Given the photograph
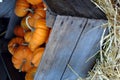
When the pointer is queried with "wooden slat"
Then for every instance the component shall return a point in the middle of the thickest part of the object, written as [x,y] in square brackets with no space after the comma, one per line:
[50,19]
[87,46]
[6,7]
[81,8]
[14,20]
[63,39]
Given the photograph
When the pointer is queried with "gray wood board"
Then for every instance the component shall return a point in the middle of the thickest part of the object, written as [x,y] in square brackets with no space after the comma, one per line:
[14,20]
[50,19]
[87,46]
[79,8]
[6,7]
[65,34]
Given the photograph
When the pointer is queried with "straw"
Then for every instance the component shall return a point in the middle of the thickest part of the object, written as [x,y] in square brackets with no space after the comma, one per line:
[107,67]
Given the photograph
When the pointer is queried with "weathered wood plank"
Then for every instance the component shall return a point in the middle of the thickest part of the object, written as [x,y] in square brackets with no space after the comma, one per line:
[50,19]
[14,20]
[81,8]
[6,8]
[87,46]
[63,39]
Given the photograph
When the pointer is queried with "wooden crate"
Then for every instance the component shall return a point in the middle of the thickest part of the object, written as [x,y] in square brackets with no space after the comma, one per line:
[72,41]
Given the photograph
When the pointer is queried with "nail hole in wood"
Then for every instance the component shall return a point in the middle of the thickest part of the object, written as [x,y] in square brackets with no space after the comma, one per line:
[92,26]
[61,23]
[71,22]
[80,26]
[88,24]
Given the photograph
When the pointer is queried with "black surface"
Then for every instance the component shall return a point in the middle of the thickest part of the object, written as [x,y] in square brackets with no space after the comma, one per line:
[5,58]
[3,74]
[3,24]
[4,45]
[12,73]
[80,8]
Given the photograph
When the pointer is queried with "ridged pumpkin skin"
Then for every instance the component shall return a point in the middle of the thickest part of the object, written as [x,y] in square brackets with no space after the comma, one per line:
[41,23]
[20,8]
[38,14]
[34,2]
[28,36]
[14,43]
[40,34]
[30,74]
[40,5]
[19,31]
[22,54]
[37,55]
[23,24]
[30,21]
[38,38]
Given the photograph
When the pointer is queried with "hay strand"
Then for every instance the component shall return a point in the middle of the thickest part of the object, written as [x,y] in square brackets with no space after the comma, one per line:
[108,66]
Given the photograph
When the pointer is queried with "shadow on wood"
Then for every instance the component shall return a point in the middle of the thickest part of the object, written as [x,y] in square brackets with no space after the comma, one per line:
[79,8]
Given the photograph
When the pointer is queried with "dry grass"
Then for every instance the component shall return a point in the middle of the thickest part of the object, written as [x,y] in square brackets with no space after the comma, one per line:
[108,66]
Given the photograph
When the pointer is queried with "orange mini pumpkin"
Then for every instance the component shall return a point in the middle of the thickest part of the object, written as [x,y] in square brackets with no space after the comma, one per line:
[38,14]
[14,43]
[37,56]
[21,59]
[31,74]
[21,8]
[28,36]
[41,23]
[34,2]
[24,21]
[38,38]
[23,24]
[40,35]
[37,6]
[19,31]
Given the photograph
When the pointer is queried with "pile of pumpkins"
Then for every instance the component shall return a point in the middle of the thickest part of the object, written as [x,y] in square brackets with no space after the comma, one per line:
[32,34]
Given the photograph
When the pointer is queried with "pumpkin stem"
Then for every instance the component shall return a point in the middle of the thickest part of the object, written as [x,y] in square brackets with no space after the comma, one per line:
[28,23]
[15,45]
[25,44]
[30,10]
[23,62]
[45,9]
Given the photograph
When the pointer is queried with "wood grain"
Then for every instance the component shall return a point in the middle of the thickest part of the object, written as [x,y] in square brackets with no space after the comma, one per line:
[50,19]
[63,39]
[87,46]
[79,8]
[14,20]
